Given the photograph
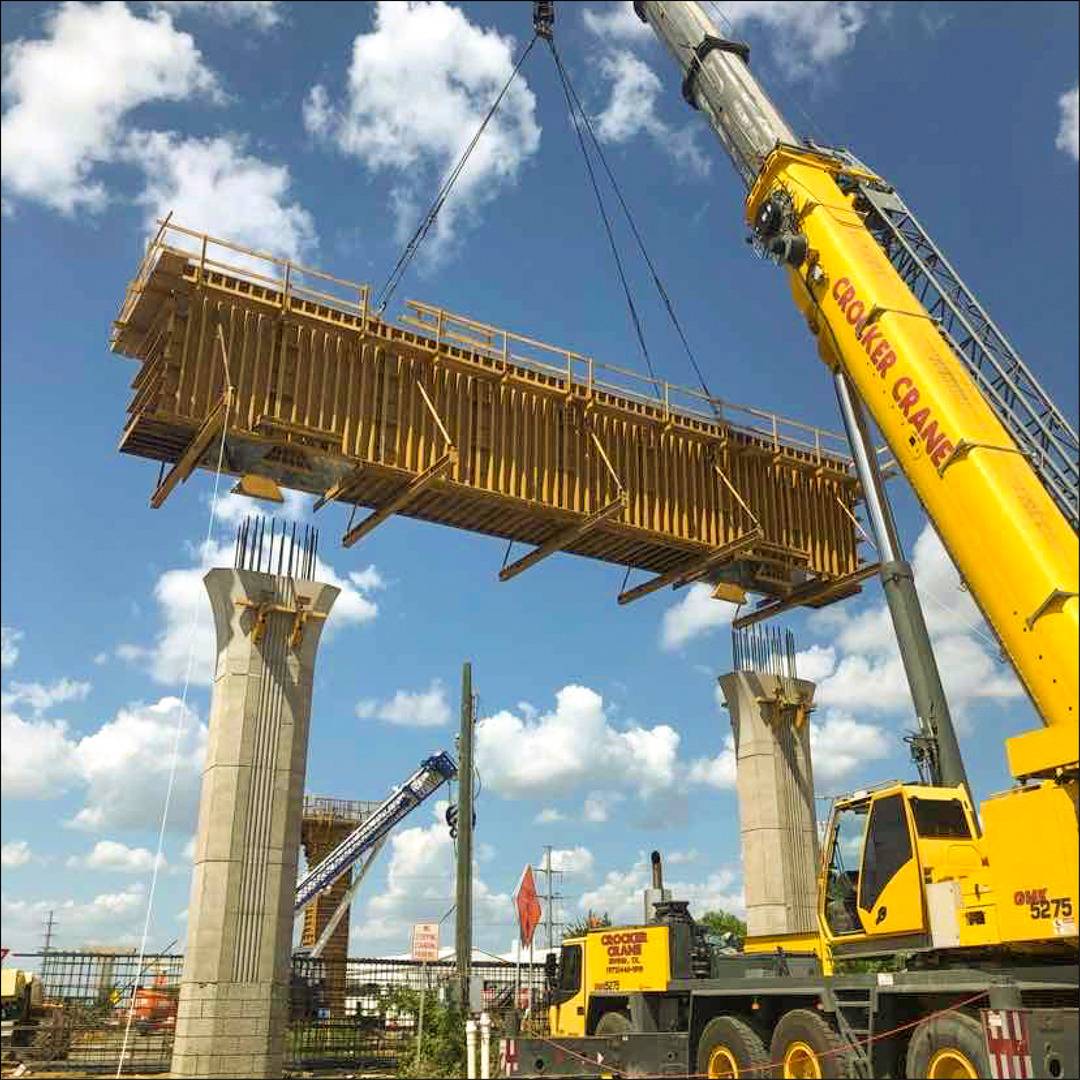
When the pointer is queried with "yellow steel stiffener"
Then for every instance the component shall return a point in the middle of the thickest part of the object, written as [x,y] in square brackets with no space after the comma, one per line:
[1011,544]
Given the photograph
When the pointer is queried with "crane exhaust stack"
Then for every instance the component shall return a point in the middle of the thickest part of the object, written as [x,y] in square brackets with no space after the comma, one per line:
[770,708]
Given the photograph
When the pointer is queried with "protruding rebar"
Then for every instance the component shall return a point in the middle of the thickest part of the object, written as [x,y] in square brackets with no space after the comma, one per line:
[290,551]
[767,650]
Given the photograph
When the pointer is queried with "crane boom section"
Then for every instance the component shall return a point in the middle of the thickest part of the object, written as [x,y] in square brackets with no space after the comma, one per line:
[1013,546]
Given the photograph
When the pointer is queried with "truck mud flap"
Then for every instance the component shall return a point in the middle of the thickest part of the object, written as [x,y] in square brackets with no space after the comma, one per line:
[655,1053]
[1026,1043]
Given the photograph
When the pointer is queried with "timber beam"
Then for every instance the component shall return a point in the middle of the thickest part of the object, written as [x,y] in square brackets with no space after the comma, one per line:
[564,537]
[813,594]
[193,452]
[684,575]
[402,499]
[340,488]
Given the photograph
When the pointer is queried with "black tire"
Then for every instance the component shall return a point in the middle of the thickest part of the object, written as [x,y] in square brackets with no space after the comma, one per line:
[614,1022]
[809,1034]
[941,1040]
[742,1044]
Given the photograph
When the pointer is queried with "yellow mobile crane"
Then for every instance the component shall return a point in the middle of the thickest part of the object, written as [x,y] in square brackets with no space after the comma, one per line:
[969,909]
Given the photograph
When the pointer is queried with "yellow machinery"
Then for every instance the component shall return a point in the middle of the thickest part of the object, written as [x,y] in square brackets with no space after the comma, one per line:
[997,476]
[951,902]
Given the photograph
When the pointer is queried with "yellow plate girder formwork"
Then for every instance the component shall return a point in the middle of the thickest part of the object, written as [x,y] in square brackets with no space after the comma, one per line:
[448,420]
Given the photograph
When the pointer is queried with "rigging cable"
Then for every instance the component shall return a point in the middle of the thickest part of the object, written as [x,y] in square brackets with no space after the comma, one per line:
[428,220]
[661,290]
[570,99]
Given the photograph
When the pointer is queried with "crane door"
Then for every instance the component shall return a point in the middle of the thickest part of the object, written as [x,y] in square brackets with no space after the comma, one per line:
[890,885]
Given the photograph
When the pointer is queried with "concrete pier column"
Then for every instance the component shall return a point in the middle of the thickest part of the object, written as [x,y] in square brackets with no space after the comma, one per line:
[775,784]
[234,995]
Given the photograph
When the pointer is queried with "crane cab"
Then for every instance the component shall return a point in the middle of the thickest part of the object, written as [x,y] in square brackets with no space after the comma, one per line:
[904,867]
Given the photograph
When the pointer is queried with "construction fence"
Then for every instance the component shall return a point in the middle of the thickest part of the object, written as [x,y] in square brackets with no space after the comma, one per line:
[360,1014]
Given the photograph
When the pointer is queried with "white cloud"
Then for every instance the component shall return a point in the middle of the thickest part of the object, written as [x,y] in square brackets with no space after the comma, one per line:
[802,36]
[697,613]
[572,747]
[840,745]
[576,860]
[70,91]
[114,856]
[861,671]
[621,894]
[419,887]
[631,111]
[1068,139]
[215,186]
[616,22]
[418,86]
[715,772]
[598,806]
[36,757]
[184,608]
[40,697]
[9,646]
[409,708]
[114,918]
[121,768]
[14,854]
[262,14]
[549,816]
[125,767]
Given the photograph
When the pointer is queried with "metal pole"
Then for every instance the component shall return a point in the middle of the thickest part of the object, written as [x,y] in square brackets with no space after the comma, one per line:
[548,917]
[420,1020]
[463,912]
[938,748]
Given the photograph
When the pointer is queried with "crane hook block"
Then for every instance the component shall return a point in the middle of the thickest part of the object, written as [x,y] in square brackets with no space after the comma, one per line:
[544,18]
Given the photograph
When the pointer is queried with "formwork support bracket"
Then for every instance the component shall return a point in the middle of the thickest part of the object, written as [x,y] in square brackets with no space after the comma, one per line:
[684,575]
[340,488]
[813,594]
[564,537]
[186,463]
[402,499]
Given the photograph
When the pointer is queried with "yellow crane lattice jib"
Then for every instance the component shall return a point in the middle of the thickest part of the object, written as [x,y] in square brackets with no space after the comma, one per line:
[1013,547]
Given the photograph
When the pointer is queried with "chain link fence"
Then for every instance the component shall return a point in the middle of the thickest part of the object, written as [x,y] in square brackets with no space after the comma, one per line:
[73,1014]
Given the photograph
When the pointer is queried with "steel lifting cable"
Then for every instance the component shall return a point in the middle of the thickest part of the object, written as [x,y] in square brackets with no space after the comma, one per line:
[631,222]
[634,317]
[428,220]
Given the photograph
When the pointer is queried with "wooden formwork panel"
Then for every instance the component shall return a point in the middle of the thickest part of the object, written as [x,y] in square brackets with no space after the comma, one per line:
[319,394]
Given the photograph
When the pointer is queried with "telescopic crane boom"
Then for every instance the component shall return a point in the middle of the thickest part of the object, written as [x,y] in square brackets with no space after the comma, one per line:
[991,458]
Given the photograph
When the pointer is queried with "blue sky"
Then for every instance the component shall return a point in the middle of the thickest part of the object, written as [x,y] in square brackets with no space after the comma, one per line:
[317,132]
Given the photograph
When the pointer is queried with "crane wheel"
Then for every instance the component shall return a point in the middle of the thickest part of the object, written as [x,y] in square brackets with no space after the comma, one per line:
[730,1047]
[804,1044]
[948,1047]
[614,1022]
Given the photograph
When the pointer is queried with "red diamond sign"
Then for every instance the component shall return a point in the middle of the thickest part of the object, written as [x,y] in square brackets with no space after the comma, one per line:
[528,906]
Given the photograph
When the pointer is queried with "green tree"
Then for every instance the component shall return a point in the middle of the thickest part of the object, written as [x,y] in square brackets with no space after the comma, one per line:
[592,921]
[723,922]
[442,1050]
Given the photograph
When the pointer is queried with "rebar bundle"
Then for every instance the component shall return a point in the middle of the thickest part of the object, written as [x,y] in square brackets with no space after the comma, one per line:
[276,551]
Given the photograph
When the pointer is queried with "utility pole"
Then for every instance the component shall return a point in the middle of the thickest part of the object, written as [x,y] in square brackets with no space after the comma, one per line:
[463,910]
[551,897]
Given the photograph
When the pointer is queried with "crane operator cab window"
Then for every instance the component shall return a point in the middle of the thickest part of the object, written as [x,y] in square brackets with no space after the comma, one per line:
[568,978]
[842,883]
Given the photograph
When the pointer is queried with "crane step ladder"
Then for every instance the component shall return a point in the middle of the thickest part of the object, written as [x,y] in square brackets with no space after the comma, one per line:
[855,1010]
[370,834]
[1026,410]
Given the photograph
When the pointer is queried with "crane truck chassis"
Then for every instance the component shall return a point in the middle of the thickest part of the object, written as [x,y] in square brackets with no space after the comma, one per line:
[662,999]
